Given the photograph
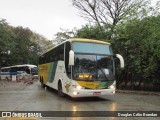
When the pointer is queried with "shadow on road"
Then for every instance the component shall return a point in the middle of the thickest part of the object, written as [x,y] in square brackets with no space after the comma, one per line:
[89,99]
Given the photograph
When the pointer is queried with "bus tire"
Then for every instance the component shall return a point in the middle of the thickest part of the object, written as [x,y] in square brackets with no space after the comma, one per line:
[60,91]
[42,84]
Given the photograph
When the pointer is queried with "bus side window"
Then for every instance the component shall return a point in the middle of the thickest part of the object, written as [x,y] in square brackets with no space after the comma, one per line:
[42,59]
[61,52]
[67,49]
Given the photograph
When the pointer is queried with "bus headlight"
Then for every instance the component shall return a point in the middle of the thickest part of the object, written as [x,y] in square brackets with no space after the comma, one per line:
[79,87]
[113,86]
[75,93]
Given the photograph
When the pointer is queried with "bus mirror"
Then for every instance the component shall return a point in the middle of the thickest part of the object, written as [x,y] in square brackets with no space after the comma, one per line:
[121,60]
[71,57]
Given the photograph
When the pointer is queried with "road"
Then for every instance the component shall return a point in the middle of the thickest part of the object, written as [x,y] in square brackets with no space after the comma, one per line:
[31,97]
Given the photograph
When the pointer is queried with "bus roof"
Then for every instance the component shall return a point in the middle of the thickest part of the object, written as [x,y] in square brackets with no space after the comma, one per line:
[88,40]
[4,67]
[78,40]
[28,65]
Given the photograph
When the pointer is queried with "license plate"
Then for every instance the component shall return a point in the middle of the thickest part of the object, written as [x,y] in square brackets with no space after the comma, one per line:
[97,93]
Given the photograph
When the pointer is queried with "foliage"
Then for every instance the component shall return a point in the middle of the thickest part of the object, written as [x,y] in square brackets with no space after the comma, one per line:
[20,45]
[64,35]
[111,12]
[139,43]
[91,32]
[6,43]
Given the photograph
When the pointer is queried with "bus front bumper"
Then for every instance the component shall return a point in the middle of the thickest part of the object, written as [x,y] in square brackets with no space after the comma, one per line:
[92,93]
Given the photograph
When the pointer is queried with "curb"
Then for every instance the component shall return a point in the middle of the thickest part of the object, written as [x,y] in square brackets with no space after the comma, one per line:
[138,92]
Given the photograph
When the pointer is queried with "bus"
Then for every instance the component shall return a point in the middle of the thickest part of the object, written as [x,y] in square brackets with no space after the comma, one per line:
[19,71]
[5,73]
[79,68]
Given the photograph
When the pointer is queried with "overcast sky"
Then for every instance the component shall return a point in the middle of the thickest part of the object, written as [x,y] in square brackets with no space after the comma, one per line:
[45,17]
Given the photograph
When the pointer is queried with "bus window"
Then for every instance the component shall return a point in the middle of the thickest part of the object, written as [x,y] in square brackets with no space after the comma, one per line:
[67,49]
[34,71]
[28,71]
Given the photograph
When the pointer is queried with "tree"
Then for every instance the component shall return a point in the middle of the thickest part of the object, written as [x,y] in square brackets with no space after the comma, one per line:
[42,43]
[29,45]
[64,35]
[20,45]
[91,32]
[139,43]
[110,12]
[6,42]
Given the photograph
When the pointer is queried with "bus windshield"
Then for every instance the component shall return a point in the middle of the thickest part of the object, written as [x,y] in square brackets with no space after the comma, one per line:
[93,62]
[93,67]
[34,71]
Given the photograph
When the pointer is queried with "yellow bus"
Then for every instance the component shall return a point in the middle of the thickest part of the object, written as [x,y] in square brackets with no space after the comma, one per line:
[79,68]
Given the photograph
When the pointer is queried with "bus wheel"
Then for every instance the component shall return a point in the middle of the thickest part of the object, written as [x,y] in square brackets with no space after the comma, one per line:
[60,91]
[42,84]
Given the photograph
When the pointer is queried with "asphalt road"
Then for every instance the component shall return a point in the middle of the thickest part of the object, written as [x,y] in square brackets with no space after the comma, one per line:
[31,97]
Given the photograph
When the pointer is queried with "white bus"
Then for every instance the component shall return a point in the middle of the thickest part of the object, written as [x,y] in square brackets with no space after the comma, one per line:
[5,73]
[79,68]
[27,69]
[19,70]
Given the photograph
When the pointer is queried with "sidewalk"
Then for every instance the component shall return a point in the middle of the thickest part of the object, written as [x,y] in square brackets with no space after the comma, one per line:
[138,92]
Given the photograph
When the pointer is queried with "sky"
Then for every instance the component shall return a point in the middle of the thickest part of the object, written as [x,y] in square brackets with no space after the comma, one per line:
[45,17]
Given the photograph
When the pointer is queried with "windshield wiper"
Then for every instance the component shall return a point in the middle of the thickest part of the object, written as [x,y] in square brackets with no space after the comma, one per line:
[104,73]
